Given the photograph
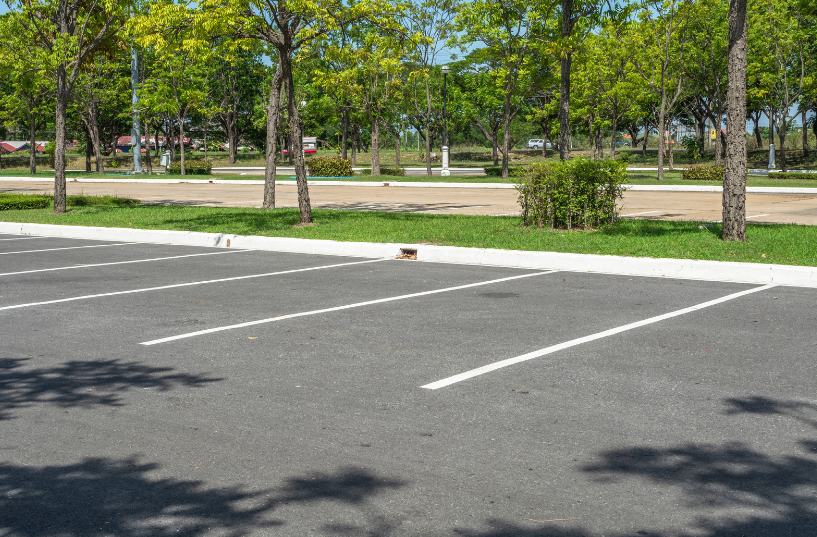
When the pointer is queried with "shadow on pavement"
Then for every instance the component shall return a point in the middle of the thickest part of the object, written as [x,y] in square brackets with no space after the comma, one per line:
[83,383]
[102,496]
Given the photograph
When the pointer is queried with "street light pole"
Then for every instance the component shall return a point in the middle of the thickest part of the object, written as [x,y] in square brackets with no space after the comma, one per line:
[445,172]
[136,128]
[771,140]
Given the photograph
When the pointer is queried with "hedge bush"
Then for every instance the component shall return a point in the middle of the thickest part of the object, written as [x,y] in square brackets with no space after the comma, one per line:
[384,170]
[192,167]
[703,173]
[789,175]
[329,167]
[496,171]
[16,202]
[578,193]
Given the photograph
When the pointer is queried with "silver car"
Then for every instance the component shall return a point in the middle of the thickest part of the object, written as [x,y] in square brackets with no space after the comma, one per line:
[537,143]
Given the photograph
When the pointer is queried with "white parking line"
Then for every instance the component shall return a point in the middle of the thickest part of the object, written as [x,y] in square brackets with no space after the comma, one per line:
[21,239]
[561,346]
[121,262]
[758,215]
[636,214]
[188,284]
[68,248]
[339,308]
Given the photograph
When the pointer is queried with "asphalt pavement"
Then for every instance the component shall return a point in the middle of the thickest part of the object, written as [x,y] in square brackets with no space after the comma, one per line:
[157,390]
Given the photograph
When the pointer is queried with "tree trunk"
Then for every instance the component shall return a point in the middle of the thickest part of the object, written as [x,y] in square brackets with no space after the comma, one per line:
[32,152]
[781,135]
[564,97]
[354,147]
[59,143]
[345,135]
[375,147]
[734,176]
[304,205]
[670,150]
[88,150]
[805,136]
[273,115]
[397,149]
[96,137]
[758,137]
[181,141]
[231,138]
[506,136]
[646,137]
[428,129]
[661,134]
[615,133]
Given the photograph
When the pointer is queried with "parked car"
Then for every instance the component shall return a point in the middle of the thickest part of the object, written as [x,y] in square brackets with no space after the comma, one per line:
[622,144]
[537,143]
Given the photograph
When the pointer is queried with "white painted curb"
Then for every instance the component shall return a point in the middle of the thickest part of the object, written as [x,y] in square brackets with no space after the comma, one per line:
[752,273]
[411,184]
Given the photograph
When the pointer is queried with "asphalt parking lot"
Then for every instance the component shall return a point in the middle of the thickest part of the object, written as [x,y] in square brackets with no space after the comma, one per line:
[155,390]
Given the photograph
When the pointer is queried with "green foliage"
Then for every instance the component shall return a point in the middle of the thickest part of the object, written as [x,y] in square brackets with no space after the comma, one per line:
[624,156]
[496,171]
[703,173]
[330,167]
[790,175]
[191,167]
[578,193]
[12,202]
[49,150]
[694,146]
[384,170]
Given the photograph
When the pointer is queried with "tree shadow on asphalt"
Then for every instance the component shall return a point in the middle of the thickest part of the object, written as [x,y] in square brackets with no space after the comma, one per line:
[83,383]
[101,496]
[797,410]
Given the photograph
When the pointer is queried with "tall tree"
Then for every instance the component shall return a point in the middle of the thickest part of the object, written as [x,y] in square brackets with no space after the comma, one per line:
[662,33]
[58,36]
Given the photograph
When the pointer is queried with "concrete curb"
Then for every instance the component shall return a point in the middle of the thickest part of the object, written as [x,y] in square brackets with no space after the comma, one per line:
[413,184]
[750,273]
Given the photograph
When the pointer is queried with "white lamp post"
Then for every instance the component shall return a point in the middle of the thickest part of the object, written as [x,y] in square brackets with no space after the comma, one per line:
[445,172]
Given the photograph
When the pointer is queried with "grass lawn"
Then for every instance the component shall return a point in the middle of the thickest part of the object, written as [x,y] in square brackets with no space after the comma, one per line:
[782,244]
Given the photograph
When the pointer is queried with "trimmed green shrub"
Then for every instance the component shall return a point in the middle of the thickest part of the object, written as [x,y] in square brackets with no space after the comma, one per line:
[396,172]
[329,167]
[624,156]
[192,167]
[17,202]
[578,193]
[496,171]
[703,173]
[789,175]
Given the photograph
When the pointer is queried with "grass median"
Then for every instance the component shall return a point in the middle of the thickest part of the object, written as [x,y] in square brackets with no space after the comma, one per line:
[767,243]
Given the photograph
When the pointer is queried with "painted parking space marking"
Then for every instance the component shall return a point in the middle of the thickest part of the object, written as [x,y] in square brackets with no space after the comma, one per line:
[122,262]
[186,284]
[69,248]
[22,238]
[572,343]
[758,215]
[340,308]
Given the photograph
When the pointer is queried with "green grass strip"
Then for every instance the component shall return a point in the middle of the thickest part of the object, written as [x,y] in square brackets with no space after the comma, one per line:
[766,243]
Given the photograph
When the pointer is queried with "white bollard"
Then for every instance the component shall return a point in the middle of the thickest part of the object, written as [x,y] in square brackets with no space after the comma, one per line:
[445,172]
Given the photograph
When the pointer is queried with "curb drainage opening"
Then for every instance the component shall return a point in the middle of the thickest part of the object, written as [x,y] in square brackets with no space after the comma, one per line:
[408,253]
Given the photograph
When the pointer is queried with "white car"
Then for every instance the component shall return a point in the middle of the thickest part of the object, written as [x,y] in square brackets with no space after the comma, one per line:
[537,143]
